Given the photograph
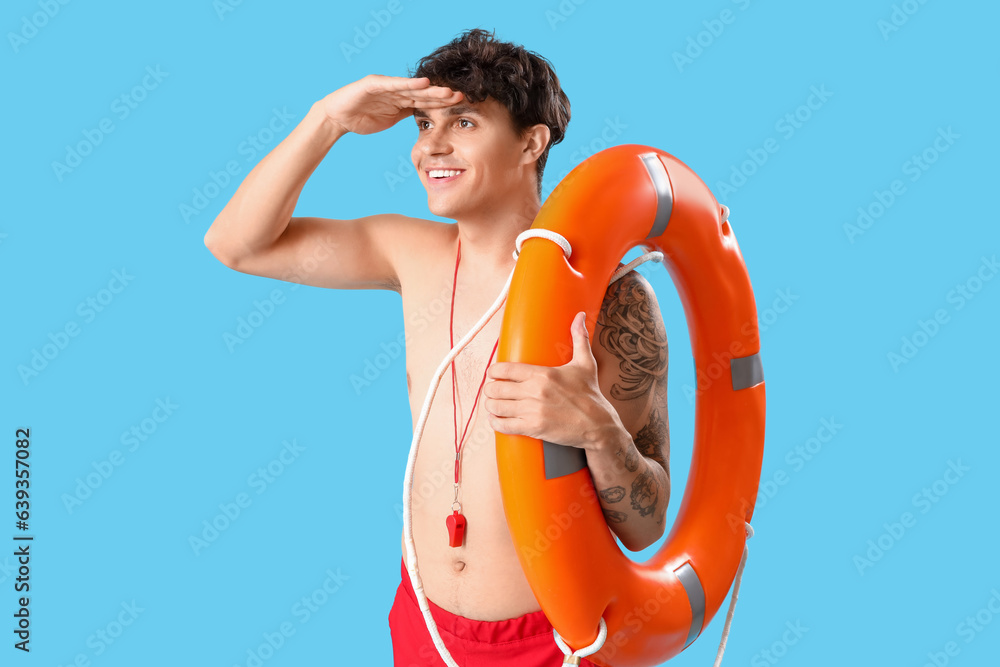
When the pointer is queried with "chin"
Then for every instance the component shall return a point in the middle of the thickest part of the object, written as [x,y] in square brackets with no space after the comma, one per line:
[443,209]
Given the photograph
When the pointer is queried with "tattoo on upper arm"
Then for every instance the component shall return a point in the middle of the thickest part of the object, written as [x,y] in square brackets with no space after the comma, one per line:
[637,338]
[650,437]
[634,336]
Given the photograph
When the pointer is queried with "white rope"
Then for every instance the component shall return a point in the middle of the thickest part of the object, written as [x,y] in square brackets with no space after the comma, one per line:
[411,551]
[655,256]
[732,600]
[555,237]
[602,634]
[418,431]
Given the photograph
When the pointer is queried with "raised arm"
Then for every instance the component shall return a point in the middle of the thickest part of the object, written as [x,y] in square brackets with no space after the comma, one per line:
[255,233]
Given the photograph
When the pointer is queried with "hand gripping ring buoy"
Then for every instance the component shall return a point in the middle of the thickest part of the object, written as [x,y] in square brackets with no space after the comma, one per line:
[615,200]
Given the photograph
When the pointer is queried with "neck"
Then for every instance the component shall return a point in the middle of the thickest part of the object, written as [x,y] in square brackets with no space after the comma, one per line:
[488,241]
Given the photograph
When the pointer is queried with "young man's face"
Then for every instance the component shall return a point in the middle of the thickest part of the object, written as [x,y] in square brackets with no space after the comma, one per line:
[478,141]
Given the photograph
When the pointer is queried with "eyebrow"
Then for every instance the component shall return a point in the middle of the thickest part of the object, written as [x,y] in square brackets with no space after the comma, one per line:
[461,110]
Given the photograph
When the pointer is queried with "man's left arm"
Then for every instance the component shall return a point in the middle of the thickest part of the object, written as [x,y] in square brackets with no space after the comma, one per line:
[630,461]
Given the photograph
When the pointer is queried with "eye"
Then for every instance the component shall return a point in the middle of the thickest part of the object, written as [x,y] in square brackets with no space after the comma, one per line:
[466,120]
[420,125]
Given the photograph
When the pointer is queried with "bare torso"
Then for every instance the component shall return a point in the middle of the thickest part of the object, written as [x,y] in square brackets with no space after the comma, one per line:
[482,579]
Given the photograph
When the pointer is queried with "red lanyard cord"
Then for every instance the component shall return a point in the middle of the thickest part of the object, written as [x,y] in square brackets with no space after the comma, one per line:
[451,338]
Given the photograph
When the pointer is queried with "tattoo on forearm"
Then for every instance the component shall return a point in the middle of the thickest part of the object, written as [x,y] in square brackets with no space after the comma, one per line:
[613,516]
[663,510]
[634,336]
[644,493]
[613,494]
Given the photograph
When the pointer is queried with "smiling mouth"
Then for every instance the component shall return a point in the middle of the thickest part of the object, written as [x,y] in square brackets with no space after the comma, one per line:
[443,175]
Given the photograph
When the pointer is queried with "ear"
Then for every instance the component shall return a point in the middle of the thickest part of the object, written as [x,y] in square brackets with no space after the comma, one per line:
[536,138]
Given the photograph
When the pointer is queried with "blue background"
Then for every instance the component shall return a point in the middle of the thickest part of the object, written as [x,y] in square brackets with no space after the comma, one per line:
[847,301]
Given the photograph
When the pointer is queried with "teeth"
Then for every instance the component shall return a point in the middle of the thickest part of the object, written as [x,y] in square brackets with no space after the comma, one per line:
[444,173]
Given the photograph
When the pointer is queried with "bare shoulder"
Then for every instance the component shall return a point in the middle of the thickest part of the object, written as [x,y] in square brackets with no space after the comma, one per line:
[416,247]
[422,231]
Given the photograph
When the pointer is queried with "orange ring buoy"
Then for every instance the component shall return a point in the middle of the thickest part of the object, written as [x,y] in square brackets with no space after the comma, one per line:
[615,200]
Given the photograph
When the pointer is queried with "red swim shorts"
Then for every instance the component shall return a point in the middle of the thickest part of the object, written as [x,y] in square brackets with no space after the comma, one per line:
[526,641]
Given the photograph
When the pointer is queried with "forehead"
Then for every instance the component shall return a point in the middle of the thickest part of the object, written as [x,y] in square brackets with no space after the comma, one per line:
[488,108]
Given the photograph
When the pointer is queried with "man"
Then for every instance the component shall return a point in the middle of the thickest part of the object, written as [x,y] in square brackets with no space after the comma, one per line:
[485,114]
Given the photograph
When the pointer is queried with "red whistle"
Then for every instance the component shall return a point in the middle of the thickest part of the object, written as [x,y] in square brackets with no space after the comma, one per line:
[456,529]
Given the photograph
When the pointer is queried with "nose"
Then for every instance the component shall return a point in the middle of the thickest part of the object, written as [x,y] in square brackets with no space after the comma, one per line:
[434,141]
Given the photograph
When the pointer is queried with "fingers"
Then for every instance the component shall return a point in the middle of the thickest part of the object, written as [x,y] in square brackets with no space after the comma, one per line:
[501,390]
[442,92]
[409,93]
[415,87]
[436,96]
[421,87]
[508,425]
[393,83]
[501,408]
[428,103]
[515,371]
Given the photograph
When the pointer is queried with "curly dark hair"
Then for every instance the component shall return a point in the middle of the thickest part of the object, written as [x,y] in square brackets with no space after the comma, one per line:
[480,66]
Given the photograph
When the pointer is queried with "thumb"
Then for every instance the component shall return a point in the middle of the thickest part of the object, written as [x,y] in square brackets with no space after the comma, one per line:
[581,339]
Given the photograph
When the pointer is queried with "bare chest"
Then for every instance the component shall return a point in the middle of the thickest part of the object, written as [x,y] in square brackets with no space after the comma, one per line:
[434,323]
[482,579]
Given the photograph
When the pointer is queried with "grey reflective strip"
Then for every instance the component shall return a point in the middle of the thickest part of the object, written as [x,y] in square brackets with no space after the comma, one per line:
[562,460]
[664,193]
[746,371]
[696,598]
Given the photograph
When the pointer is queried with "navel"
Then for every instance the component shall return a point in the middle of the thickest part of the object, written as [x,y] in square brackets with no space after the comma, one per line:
[459,565]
